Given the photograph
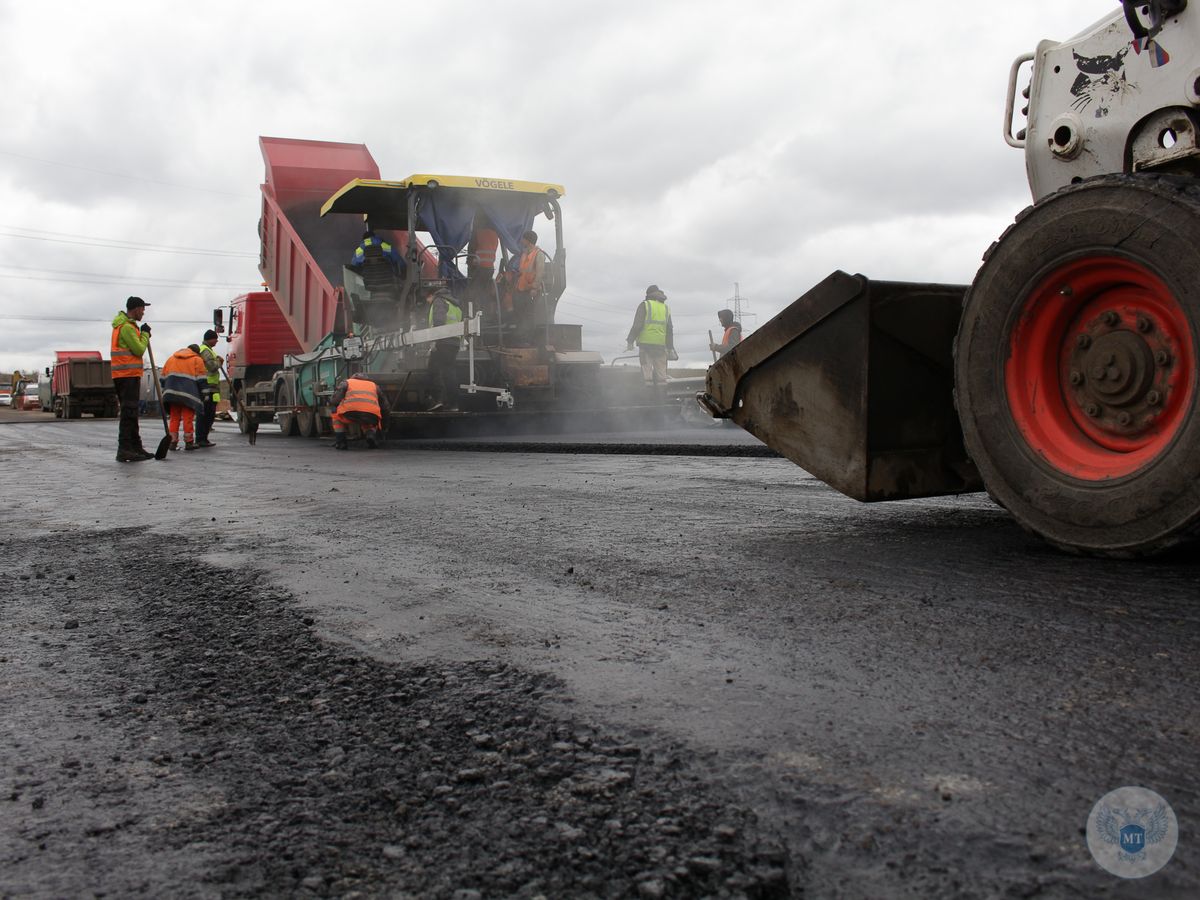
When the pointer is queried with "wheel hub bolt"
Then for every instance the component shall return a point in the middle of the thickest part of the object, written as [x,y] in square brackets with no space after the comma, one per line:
[1111,318]
[1083,342]
[1144,324]
[1092,410]
[1124,418]
[1153,398]
[1066,290]
[1162,358]
[1076,378]
[1098,373]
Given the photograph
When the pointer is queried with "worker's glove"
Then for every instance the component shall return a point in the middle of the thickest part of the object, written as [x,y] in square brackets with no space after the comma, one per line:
[672,355]
[220,360]
[146,330]
[628,347]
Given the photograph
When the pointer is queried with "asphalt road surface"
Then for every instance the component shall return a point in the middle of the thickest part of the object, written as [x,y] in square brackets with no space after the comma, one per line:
[281,670]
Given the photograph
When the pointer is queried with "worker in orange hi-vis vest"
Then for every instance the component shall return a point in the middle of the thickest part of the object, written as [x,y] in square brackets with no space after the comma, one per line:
[530,286]
[732,335]
[129,343]
[356,402]
[183,377]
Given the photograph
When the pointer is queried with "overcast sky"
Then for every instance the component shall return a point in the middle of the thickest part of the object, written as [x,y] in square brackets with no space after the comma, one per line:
[701,144]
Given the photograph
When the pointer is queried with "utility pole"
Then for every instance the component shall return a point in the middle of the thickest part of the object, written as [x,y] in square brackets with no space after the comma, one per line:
[738,303]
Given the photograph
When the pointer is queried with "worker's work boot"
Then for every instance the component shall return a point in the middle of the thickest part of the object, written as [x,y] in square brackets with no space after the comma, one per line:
[124,454]
[189,445]
[174,443]
[339,442]
[205,443]
[371,444]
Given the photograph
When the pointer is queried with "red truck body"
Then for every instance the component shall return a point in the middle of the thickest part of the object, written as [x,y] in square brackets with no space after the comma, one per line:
[82,382]
[259,336]
[301,254]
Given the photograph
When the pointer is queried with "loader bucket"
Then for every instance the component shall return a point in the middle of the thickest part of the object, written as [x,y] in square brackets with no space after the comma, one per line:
[854,382]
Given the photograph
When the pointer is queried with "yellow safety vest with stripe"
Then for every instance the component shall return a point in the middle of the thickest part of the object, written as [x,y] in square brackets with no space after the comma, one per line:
[654,328]
[360,254]
[453,313]
[214,378]
[125,363]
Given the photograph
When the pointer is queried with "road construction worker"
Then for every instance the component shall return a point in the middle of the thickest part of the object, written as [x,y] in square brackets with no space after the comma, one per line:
[530,286]
[356,401]
[372,248]
[379,264]
[732,335]
[482,252]
[211,390]
[129,343]
[183,379]
[654,335]
[443,369]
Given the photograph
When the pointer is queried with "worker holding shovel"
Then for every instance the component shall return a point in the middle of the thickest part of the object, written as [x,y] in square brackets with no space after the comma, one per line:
[129,345]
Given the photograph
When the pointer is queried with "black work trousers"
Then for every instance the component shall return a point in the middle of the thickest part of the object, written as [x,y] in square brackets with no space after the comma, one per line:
[129,391]
[204,421]
[444,372]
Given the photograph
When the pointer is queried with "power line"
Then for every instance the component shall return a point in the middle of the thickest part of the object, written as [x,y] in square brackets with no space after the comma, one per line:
[89,241]
[91,322]
[140,279]
[117,282]
[51,162]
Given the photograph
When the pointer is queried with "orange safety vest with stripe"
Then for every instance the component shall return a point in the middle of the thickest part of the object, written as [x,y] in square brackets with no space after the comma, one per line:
[362,397]
[727,339]
[528,270]
[125,363]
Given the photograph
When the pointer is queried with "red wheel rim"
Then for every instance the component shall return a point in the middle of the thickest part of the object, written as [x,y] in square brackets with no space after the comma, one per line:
[1101,368]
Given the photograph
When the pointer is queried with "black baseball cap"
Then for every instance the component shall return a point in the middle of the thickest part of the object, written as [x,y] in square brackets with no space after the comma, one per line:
[133,302]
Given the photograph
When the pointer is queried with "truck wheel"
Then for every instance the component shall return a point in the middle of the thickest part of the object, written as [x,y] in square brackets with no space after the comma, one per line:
[306,422]
[1076,366]
[283,410]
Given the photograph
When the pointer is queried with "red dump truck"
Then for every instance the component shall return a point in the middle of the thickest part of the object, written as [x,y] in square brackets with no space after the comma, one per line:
[81,382]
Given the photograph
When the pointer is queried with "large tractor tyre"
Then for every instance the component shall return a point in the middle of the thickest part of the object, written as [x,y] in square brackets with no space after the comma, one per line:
[1076,366]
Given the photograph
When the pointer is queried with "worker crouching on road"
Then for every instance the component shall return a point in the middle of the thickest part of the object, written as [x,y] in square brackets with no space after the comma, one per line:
[356,401]
[183,378]
[654,334]
[129,343]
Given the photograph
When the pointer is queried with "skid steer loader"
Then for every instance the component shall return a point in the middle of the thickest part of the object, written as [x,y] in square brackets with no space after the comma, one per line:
[1063,380]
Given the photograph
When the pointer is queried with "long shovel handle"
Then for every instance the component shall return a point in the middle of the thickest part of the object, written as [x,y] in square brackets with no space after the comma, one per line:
[710,343]
[158,389]
[165,444]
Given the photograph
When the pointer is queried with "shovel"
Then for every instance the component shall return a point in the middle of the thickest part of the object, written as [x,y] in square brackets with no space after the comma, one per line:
[710,343]
[165,444]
